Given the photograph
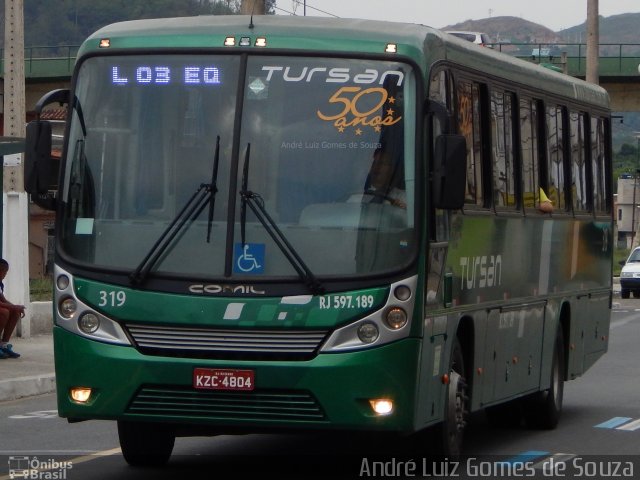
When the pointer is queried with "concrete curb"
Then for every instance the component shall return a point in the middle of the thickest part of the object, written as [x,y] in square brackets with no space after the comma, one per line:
[21,387]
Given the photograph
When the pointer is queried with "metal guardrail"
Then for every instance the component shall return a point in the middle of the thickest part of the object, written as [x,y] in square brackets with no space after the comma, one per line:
[616,59]
[47,61]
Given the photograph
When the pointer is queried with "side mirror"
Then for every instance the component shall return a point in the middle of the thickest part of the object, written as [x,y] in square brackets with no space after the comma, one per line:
[37,164]
[40,178]
[449,171]
[622,263]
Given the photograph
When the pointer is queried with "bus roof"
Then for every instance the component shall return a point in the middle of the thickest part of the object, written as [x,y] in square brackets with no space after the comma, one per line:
[425,45]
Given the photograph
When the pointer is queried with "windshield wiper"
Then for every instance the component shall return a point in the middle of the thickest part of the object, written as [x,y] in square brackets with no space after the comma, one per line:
[205,194]
[256,204]
[213,188]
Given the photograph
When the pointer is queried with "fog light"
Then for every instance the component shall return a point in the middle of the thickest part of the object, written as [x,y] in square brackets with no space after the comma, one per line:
[368,332]
[62,282]
[396,318]
[68,307]
[382,406]
[80,394]
[89,322]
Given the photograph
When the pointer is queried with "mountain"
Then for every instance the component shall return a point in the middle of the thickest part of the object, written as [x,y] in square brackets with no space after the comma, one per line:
[509,30]
[614,29]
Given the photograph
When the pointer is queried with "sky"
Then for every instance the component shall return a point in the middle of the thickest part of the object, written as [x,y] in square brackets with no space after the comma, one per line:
[554,14]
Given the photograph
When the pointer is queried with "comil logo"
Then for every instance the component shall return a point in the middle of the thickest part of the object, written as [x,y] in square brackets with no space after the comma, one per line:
[38,469]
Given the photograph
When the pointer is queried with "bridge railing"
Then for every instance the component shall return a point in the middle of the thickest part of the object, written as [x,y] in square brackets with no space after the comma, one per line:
[47,61]
[616,59]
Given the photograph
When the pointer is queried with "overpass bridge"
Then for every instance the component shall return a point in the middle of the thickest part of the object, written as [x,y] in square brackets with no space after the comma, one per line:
[49,67]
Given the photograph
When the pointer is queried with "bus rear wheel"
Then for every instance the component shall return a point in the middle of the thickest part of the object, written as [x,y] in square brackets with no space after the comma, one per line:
[543,409]
[145,444]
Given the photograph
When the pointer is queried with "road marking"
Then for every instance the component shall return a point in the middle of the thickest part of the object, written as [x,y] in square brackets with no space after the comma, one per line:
[526,457]
[631,426]
[549,465]
[38,414]
[614,422]
[74,461]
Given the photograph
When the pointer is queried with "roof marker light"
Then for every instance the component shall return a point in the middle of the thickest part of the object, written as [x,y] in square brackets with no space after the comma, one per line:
[245,41]
[105,43]
[261,42]
[229,41]
[391,48]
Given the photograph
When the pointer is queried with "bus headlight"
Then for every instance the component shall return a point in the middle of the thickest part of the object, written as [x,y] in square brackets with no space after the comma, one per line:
[396,318]
[67,307]
[62,282]
[89,322]
[368,332]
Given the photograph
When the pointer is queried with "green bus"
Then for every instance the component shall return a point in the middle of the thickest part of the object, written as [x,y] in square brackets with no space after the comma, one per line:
[305,224]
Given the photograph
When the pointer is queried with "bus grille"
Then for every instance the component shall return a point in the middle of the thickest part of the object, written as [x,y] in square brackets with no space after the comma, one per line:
[256,405]
[226,343]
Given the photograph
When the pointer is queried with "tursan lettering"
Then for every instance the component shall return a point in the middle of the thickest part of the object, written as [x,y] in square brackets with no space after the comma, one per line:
[480,272]
[333,75]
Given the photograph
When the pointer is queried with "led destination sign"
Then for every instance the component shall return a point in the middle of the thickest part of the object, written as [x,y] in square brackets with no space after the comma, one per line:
[165,75]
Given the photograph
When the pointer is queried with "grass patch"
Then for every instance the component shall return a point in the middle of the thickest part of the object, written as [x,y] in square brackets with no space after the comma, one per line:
[41,289]
[619,254]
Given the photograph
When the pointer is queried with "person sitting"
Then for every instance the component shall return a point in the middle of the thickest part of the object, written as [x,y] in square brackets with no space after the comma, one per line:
[9,316]
[384,182]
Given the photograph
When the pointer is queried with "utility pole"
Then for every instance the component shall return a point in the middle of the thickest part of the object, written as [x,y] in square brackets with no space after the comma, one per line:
[252,7]
[15,212]
[593,41]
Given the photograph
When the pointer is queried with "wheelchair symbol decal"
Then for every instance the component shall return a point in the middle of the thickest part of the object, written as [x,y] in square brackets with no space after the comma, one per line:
[248,258]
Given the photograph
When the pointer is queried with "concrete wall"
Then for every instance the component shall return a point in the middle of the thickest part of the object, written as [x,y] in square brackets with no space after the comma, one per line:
[39,316]
[625,97]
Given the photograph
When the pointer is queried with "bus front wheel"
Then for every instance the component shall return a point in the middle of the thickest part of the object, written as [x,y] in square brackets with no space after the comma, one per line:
[145,444]
[456,405]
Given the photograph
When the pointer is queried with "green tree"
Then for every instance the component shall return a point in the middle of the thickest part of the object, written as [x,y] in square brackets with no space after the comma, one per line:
[69,22]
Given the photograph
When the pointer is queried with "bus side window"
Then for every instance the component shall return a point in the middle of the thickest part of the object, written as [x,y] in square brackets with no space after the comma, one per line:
[579,174]
[530,152]
[598,152]
[504,179]
[468,115]
[556,157]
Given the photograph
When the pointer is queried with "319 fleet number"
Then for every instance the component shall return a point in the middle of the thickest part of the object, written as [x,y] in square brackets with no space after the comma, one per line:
[112,299]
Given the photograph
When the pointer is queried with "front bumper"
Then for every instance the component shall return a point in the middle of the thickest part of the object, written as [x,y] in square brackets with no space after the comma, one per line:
[630,283]
[331,391]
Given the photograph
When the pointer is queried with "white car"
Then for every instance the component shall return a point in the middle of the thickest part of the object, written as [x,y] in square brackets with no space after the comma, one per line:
[478,38]
[630,275]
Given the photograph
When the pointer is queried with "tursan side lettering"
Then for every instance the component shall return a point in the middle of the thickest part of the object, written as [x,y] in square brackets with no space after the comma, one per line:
[480,272]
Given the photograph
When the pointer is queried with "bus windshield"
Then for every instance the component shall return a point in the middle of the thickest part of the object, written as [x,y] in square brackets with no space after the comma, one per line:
[331,151]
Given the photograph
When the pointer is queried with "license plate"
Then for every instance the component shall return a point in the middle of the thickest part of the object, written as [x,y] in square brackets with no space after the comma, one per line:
[223,379]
